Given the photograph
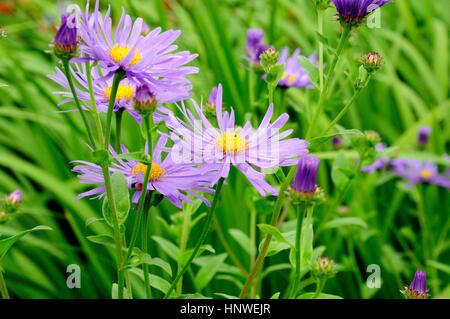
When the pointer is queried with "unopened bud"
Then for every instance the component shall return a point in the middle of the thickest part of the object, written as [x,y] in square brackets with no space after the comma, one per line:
[269,59]
[66,42]
[145,101]
[324,268]
[372,61]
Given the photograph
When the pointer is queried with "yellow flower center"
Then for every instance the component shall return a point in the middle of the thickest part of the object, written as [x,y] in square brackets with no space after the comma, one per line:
[425,174]
[156,171]
[118,54]
[291,78]
[124,91]
[231,143]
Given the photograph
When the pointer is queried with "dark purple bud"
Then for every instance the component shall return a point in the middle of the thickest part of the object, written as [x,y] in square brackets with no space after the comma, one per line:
[418,287]
[66,41]
[353,12]
[145,101]
[424,135]
[306,177]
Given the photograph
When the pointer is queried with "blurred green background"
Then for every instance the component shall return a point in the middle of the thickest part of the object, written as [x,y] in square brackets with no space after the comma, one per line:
[37,143]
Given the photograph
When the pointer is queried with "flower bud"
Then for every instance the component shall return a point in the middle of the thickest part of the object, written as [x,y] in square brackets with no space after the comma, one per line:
[269,59]
[13,201]
[145,101]
[418,287]
[424,135]
[210,109]
[322,4]
[372,61]
[66,42]
[324,268]
[304,187]
[372,137]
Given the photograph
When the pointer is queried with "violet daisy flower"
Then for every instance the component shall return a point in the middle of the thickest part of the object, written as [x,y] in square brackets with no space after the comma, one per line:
[418,287]
[247,148]
[255,47]
[423,135]
[353,12]
[416,171]
[101,89]
[294,74]
[174,181]
[148,59]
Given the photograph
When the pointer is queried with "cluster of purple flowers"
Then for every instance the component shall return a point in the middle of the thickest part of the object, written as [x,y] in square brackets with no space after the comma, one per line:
[154,75]
[415,171]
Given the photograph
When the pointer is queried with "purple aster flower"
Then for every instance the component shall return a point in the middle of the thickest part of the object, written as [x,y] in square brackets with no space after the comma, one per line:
[416,172]
[354,11]
[174,181]
[66,42]
[294,74]
[418,287]
[306,177]
[255,47]
[101,88]
[247,148]
[423,135]
[147,59]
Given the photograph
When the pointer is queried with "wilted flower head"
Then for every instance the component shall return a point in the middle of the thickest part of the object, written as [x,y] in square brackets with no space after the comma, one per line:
[423,135]
[294,74]
[418,287]
[66,42]
[353,12]
[175,181]
[372,61]
[255,47]
[416,171]
[146,59]
[244,147]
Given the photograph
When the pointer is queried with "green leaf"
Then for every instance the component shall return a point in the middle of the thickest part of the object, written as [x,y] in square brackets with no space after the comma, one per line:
[322,39]
[310,69]
[439,266]
[187,254]
[275,296]
[168,247]
[317,141]
[207,273]
[7,243]
[310,295]
[143,258]
[121,198]
[275,232]
[106,240]
[93,220]
[345,221]
[337,175]
[242,239]
[115,292]
[225,295]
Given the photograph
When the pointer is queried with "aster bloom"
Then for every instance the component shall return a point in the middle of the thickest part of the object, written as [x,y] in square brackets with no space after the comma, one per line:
[247,148]
[174,181]
[423,135]
[101,88]
[416,171]
[255,46]
[294,74]
[418,287]
[146,59]
[66,42]
[353,12]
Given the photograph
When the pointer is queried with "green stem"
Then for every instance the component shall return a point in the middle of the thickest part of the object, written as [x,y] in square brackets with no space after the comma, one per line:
[141,203]
[319,288]
[253,243]
[118,76]
[271,88]
[77,101]
[268,238]
[344,37]
[97,120]
[3,289]
[297,253]
[343,111]
[203,235]
[119,115]
[117,236]
[144,234]
[184,240]
[320,30]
